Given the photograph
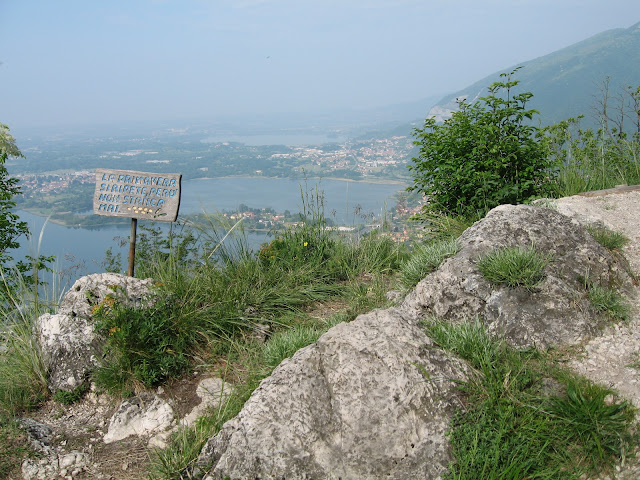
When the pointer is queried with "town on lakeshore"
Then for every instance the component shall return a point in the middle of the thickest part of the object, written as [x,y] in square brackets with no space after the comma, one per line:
[59,182]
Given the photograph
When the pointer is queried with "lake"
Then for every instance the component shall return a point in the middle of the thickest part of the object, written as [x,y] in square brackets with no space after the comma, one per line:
[80,251]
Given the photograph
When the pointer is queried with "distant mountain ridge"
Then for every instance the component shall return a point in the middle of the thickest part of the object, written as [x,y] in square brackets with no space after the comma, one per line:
[566,83]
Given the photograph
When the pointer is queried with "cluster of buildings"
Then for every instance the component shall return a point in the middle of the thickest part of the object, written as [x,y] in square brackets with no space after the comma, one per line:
[366,157]
[46,183]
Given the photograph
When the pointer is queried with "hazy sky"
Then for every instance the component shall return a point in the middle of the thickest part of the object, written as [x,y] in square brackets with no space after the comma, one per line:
[86,61]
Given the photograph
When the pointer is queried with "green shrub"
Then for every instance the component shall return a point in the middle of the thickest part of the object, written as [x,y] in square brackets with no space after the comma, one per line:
[144,346]
[485,155]
[69,398]
[425,259]
[514,267]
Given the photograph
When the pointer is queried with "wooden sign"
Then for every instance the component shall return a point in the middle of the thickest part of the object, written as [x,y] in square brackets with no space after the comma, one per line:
[125,193]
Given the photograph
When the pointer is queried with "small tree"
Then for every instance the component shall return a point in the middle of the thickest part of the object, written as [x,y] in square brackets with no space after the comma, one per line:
[485,155]
[11,227]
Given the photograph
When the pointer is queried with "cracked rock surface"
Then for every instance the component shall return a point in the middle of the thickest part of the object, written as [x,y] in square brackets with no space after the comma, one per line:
[371,399]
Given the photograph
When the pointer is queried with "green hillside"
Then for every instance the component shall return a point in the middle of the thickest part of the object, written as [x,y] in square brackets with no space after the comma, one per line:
[567,82]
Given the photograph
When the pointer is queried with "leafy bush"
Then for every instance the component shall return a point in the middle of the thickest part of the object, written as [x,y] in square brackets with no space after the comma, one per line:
[144,346]
[485,155]
[514,267]
[425,259]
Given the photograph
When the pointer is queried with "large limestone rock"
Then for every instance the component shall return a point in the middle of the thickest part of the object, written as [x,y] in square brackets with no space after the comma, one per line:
[371,399]
[70,346]
[557,312]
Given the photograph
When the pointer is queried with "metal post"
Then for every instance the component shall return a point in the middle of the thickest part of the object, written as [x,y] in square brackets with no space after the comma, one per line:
[132,246]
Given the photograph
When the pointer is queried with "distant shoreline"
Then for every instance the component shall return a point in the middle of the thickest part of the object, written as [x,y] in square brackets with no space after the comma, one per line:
[372,181]
[62,222]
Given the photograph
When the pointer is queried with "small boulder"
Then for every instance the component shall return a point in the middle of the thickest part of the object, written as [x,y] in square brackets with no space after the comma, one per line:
[144,415]
[70,346]
[91,290]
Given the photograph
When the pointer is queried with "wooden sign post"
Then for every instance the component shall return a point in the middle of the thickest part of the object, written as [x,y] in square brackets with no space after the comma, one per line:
[149,196]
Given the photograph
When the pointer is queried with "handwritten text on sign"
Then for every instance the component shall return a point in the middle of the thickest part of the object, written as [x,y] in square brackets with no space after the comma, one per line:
[125,193]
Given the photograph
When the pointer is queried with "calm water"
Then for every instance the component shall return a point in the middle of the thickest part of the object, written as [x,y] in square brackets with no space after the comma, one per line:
[340,198]
[80,251]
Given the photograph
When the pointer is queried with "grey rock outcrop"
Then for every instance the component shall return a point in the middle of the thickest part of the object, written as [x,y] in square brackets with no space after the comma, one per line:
[371,399]
[557,312]
[69,343]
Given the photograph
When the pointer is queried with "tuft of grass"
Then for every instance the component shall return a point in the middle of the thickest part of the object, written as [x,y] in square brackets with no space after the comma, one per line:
[440,226]
[514,267]
[608,302]
[597,429]
[613,241]
[425,259]
[514,426]
[285,343]
[636,362]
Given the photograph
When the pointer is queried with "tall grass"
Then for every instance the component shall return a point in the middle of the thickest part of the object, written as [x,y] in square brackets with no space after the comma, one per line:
[219,289]
[23,375]
[593,160]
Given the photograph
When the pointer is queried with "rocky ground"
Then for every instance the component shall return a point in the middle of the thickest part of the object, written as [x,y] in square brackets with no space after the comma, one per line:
[609,359]
[82,426]
[613,358]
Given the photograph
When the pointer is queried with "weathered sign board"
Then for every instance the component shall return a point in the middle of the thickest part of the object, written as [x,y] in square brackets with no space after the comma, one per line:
[125,193]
